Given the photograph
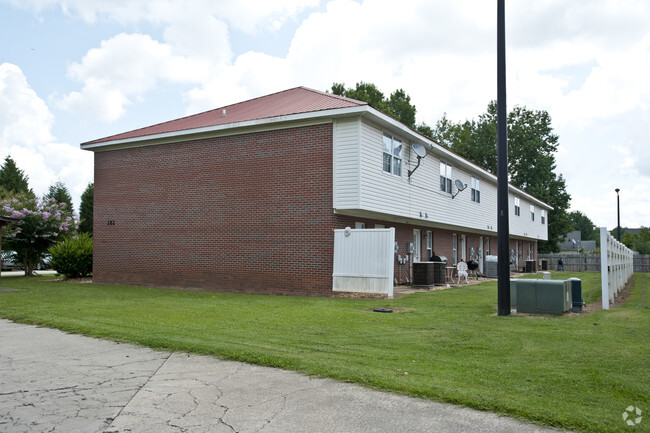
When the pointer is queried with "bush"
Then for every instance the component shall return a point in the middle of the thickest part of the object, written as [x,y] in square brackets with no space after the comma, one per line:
[73,257]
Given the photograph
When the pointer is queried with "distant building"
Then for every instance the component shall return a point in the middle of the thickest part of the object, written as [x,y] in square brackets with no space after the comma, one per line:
[573,244]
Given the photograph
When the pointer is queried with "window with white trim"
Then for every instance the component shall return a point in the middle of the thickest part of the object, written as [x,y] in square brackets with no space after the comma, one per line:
[532,212]
[392,155]
[476,190]
[517,207]
[445,177]
[543,212]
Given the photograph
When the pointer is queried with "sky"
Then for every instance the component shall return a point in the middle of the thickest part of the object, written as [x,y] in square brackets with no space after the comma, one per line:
[76,70]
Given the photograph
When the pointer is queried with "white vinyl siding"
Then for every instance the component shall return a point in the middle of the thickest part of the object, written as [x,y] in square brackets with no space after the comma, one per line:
[347,165]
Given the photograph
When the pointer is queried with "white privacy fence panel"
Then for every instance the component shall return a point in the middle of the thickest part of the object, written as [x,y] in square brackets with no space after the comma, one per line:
[364,261]
[616,266]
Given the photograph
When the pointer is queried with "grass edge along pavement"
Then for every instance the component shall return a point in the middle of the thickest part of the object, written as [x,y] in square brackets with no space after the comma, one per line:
[571,372]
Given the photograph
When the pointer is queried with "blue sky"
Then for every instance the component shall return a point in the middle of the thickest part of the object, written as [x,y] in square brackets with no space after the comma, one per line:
[77,70]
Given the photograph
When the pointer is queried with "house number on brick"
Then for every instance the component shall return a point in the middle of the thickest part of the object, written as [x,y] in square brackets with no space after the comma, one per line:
[111,222]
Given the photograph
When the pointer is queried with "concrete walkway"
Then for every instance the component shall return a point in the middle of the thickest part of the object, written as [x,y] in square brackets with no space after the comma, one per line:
[56,382]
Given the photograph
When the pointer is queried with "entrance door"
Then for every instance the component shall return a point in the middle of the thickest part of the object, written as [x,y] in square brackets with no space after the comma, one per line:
[480,255]
[417,245]
[463,246]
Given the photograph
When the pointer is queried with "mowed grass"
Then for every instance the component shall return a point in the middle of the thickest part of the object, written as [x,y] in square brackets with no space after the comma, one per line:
[577,373]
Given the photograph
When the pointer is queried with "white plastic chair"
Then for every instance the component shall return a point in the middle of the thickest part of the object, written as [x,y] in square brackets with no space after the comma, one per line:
[461,268]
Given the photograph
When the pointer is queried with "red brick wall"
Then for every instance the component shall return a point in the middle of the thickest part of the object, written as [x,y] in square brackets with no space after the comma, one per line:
[246,213]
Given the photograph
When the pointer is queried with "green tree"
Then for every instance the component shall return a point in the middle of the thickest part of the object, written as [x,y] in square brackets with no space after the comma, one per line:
[60,193]
[366,92]
[398,105]
[639,242]
[424,129]
[584,225]
[12,179]
[531,158]
[86,210]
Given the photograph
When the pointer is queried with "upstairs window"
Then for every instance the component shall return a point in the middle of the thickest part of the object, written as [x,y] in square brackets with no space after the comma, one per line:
[445,177]
[476,190]
[532,212]
[517,207]
[543,216]
[392,155]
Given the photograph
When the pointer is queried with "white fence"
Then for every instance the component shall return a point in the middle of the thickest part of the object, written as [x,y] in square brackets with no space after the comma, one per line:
[616,266]
[364,261]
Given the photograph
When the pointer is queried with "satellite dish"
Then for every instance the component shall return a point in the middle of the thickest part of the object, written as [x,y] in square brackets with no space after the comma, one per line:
[419,150]
[459,186]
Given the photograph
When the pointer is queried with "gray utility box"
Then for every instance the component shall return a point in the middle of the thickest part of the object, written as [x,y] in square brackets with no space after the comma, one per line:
[491,266]
[541,296]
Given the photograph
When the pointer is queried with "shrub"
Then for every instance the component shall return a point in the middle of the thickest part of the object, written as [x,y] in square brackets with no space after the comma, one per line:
[73,257]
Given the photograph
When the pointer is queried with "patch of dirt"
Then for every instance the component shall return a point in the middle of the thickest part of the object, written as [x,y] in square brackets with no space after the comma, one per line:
[87,280]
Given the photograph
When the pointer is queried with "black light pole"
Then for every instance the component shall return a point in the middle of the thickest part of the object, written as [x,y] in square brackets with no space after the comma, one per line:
[618,215]
[503,223]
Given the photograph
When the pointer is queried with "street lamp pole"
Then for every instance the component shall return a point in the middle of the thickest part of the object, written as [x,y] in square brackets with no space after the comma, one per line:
[618,215]
[503,222]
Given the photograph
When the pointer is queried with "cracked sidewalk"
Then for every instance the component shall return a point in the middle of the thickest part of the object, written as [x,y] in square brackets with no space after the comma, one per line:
[56,382]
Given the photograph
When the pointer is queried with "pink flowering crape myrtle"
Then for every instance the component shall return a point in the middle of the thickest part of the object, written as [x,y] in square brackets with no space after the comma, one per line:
[39,225]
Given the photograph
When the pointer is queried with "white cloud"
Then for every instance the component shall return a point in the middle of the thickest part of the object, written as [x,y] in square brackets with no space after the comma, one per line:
[25,135]
[24,117]
[250,16]
[125,67]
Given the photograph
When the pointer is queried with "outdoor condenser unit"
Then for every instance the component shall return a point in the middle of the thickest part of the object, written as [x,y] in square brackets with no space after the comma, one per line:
[491,266]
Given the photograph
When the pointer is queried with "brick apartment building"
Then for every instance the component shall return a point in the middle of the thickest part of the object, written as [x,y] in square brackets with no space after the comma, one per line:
[246,197]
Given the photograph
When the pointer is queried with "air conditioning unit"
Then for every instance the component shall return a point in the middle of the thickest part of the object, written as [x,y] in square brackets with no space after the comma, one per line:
[491,266]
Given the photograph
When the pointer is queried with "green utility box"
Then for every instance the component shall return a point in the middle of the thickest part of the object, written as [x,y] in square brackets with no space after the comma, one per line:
[541,296]
[576,294]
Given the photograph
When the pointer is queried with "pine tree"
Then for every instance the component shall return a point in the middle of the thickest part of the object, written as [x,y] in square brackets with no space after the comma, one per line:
[60,193]
[12,179]
[86,210]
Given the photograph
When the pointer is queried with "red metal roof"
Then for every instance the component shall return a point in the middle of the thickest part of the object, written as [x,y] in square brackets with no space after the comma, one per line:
[293,101]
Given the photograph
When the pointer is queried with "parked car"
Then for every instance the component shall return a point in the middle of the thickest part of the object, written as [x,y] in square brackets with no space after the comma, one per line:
[7,261]
[45,263]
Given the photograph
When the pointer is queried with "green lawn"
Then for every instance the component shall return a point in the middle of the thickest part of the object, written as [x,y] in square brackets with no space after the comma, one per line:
[577,373]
